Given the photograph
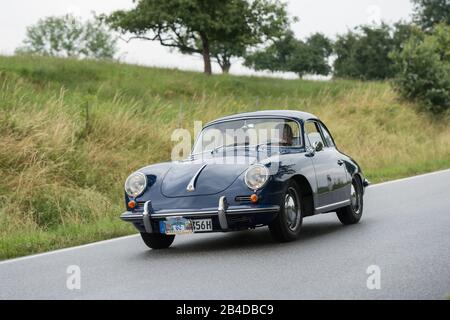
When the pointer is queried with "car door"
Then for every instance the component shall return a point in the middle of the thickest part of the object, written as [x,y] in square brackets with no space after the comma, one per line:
[342,179]
[329,168]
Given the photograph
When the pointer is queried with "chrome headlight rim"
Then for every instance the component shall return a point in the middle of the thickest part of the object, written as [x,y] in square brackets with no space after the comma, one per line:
[138,192]
[262,185]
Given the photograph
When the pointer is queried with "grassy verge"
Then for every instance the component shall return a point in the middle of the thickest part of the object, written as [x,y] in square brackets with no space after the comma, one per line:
[71,132]
[24,243]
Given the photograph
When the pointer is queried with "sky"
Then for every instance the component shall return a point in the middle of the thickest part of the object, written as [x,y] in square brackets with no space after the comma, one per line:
[330,17]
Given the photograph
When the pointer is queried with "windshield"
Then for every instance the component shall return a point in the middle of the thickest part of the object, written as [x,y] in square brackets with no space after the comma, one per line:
[249,133]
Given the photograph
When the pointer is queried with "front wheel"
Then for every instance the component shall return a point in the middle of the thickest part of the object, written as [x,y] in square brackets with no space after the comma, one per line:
[287,224]
[352,214]
[157,240]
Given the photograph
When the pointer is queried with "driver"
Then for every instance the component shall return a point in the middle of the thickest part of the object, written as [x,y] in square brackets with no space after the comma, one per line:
[286,136]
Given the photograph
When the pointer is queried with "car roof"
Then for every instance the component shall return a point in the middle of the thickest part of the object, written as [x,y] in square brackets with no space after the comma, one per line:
[297,115]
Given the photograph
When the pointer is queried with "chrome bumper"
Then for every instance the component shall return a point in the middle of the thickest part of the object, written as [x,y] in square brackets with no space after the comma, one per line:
[221,212]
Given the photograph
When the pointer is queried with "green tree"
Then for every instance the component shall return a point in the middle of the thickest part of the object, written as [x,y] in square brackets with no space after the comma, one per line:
[403,31]
[289,54]
[423,69]
[427,13]
[364,53]
[320,49]
[68,36]
[259,22]
[220,29]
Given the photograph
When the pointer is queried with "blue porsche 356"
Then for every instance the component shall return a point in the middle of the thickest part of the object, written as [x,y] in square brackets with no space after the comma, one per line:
[268,168]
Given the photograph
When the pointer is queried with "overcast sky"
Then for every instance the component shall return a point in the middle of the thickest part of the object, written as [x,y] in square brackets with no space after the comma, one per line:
[327,16]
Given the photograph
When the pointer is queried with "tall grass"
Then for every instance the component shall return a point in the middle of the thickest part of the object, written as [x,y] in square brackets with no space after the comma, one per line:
[71,132]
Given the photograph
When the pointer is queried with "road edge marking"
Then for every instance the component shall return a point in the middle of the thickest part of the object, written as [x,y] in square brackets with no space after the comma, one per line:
[409,178]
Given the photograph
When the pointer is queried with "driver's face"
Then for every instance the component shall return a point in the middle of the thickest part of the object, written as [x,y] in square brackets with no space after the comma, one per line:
[285,137]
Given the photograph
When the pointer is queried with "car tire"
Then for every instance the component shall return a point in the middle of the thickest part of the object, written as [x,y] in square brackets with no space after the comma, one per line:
[352,214]
[157,240]
[286,226]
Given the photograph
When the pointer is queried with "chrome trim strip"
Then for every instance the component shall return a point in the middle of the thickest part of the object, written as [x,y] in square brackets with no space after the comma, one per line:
[128,214]
[132,216]
[254,210]
[214,213]
[337,204]
[191,186]
[146,217]
[185,214]
[222,212]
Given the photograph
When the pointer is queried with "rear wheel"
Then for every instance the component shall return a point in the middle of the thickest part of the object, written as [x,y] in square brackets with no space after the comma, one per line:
[157,240]
[286,226]
[352,214]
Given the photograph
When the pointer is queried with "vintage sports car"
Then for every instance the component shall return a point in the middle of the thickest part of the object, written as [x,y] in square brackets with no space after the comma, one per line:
[268,168]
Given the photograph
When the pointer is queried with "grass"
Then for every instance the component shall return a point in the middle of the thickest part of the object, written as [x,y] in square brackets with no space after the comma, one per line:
[71,132]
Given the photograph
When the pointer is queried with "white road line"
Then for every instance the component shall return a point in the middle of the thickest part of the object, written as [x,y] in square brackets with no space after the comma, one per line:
[410,178]
[67,249]
[133,236]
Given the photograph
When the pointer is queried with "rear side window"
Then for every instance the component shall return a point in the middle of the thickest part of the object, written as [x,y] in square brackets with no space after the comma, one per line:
[313,133]
[327,136]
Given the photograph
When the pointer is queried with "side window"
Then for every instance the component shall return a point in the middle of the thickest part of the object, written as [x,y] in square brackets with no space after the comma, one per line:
[313,132]
[327,137]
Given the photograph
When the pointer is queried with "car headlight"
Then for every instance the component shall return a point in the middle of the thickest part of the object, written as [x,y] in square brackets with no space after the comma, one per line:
[256,176]
[136,184]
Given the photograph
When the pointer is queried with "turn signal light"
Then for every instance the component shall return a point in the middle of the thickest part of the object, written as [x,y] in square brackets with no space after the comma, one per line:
[254,198]
[132,204]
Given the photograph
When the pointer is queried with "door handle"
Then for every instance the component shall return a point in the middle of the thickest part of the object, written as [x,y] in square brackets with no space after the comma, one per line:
[340,162]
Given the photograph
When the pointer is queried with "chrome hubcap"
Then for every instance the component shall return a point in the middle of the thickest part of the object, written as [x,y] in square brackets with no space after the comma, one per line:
[292,209]
[355,199]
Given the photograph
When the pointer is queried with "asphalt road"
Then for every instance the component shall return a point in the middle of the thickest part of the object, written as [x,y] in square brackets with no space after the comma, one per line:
[405,231]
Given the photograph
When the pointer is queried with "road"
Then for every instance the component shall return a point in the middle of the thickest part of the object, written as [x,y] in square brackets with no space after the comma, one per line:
[405,231]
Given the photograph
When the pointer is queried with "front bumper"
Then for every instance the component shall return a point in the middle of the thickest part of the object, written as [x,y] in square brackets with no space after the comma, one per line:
[224,215]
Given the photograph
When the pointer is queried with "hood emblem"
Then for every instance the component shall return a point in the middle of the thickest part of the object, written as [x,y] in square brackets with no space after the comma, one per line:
[191,186]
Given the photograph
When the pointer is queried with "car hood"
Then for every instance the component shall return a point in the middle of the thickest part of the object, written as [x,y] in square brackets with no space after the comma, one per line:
[212,176]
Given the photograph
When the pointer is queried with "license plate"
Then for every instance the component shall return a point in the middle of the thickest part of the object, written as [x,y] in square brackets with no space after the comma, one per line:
[204,225]
[173,226]
[178,225]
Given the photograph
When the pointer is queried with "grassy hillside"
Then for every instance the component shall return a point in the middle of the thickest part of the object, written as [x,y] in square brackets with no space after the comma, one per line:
[62,168]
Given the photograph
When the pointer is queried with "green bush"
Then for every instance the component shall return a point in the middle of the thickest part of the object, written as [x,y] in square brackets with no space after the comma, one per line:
[423,69]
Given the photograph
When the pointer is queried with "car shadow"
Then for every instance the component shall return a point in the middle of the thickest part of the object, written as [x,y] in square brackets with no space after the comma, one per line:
[254,240]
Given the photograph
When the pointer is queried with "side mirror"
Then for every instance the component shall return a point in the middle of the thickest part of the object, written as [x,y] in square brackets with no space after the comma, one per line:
[318,146]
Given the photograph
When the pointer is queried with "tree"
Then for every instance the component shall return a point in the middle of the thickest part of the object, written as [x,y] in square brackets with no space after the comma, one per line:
[403,31]
[364,54]
[289,54]
[427,13]
[320,48]
[68,36]
[220,29]
[265,21]
[423,69]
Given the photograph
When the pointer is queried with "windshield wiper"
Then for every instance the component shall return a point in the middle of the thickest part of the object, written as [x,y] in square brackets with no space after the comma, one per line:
[212,151]
[266,144]
[215,150]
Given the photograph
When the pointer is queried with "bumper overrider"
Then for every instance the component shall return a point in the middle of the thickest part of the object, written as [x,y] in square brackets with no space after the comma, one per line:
[227,218]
